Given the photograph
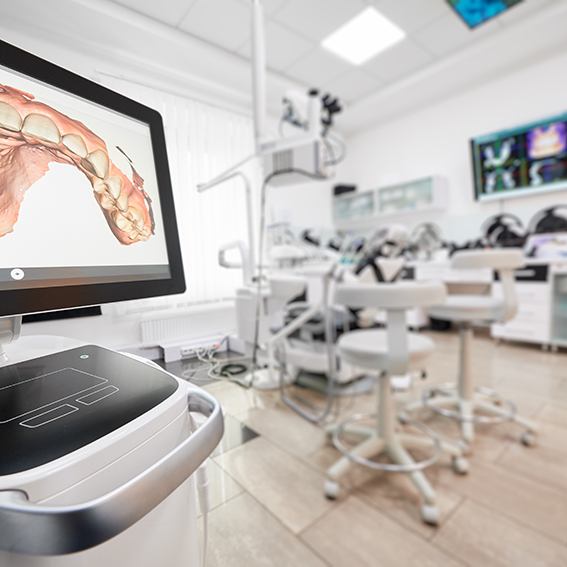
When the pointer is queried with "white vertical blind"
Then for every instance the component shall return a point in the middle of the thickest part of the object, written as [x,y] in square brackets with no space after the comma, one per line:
[202,141]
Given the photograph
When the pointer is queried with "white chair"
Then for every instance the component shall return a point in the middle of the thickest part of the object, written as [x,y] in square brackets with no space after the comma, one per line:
[462,401]
[388,353]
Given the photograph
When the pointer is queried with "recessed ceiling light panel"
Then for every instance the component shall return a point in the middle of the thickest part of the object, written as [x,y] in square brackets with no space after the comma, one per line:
[363,37]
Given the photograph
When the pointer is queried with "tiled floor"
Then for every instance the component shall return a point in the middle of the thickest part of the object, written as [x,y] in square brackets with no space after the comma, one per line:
[511,510]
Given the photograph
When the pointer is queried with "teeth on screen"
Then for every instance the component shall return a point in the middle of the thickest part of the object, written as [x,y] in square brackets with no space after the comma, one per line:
[42,127]
[99,162]
[106,202]
[114,184]
[10,118]
[123,223]
[76,144]
[135,215]
[99,186]
[122,202]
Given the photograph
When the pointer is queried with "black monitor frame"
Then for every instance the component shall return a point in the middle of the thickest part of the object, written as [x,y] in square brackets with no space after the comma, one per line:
[35,300]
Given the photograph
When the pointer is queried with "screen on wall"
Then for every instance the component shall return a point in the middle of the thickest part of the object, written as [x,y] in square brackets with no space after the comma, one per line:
[476,12]
[521,161]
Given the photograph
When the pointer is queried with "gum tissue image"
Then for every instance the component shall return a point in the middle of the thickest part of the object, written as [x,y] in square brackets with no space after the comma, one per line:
[32,134]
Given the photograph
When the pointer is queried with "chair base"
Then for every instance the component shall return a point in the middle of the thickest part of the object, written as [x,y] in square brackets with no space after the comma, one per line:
[396,448]
[484,406]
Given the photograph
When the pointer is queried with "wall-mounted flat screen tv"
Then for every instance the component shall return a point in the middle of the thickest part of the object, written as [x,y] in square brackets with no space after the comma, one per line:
[475,12]
[521,161]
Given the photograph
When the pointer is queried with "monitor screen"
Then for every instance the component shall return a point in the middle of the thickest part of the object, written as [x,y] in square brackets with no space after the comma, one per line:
[521,161]
[86,206]
[475,12]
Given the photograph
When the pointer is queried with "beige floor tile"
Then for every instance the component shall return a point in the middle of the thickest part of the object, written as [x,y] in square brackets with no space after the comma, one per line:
[289,488]
[533,504]
[222,487]
[356,534]
[285,428]
[326,456]
[244,534]
[484,537]
[236,400]
[546,462]
[554,414]
[394,495]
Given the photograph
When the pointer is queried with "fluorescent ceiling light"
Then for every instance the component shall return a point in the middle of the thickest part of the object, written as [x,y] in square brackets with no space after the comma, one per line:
[363,37]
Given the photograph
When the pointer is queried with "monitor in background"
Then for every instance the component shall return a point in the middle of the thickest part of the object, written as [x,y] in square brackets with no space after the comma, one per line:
[521,161]
[86,205]
[476,12]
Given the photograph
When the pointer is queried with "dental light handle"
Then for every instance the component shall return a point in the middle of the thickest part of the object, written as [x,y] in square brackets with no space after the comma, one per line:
[36,529]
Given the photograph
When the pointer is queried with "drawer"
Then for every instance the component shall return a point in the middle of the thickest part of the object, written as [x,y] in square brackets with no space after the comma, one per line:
[531,273]
[521,331]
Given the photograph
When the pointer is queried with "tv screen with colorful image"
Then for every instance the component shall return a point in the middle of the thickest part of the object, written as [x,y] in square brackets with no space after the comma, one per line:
[475,12]
[521,161]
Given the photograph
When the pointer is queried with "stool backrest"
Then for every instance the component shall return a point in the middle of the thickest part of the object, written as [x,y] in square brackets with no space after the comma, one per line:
[503,262]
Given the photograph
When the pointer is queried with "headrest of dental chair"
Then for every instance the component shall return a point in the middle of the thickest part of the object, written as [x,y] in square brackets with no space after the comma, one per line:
[286,287]
[391,296]
[500,259]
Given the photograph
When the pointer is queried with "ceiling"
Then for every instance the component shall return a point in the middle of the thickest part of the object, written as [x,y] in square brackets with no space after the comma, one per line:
[295,28]
[201,48]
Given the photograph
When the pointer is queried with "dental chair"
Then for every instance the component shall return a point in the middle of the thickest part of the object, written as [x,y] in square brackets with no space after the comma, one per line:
[387,353]
[462,401]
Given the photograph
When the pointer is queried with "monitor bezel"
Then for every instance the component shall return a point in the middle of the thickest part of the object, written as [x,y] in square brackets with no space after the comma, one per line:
[37,300]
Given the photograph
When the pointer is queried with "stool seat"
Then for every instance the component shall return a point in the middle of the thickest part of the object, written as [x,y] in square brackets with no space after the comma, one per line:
[368,348]
[469,308]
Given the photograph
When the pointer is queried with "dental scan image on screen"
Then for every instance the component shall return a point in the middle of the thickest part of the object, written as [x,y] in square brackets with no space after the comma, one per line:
[79,200]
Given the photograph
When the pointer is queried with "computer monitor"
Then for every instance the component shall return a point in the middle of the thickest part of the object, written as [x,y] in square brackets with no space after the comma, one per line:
[86,205]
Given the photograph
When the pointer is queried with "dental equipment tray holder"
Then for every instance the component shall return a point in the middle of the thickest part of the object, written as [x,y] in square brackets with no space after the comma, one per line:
[50,406]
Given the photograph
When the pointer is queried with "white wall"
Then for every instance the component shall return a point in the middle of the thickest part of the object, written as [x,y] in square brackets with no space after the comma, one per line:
[435,140]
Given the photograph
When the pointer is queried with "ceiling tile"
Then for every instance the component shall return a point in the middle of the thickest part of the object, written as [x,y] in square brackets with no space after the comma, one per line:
[169,12]
[412,15]
[353,85]
[222,22]
[315,19]
[523,9]
[269,6]
[317,68]
[449,34]
[283,47]
[398,61]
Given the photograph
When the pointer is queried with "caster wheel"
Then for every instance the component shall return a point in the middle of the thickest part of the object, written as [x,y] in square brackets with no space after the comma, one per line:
[460,465]
[332,490]
[430,514]
[528,439]
[403,418]
[464,446]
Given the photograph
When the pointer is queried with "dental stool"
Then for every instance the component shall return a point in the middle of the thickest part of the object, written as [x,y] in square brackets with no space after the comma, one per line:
[390,352]
[462,401]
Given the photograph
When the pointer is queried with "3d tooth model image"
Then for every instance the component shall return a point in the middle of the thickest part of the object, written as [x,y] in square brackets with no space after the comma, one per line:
[32,134]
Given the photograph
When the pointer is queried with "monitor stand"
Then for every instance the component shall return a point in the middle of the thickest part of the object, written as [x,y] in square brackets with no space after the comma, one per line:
[10,328]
